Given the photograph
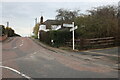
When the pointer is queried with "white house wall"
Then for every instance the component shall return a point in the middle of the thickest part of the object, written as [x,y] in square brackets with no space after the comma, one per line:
[42,27]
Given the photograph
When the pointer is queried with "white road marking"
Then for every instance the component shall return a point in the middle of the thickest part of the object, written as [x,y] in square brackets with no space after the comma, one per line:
[21,45]
[34,52]
[16,71]
[14,47]
[32,55]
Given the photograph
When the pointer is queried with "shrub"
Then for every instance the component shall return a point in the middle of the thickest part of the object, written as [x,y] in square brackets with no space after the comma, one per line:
[59,37]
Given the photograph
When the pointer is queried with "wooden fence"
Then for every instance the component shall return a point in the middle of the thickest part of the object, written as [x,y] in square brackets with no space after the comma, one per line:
[93,43]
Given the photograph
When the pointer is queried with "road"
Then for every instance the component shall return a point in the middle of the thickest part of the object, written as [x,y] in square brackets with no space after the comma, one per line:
[24,58]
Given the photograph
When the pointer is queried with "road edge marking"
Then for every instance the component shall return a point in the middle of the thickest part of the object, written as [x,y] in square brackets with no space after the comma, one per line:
[16,71]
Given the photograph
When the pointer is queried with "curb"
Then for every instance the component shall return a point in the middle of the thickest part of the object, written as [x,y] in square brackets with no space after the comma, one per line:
[44,46]
[56,50]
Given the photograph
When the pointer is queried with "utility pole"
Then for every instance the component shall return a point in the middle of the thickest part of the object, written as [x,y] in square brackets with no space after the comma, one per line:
[35,21]
[7,24]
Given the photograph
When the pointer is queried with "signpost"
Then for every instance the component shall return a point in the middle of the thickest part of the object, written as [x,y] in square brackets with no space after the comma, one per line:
[72,29]
[68,25]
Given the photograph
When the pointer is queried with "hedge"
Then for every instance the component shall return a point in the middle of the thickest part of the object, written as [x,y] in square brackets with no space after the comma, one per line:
[59,37]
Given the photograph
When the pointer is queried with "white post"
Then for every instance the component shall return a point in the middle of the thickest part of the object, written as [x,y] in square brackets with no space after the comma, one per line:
[73,37]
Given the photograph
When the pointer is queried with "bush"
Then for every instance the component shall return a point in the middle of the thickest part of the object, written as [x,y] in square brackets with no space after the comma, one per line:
[59,37]
[34,36]
[45,37]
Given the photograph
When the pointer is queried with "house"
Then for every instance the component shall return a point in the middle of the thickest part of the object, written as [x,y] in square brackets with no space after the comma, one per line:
[50,22]
[52,25]
[49,25]
[43,28]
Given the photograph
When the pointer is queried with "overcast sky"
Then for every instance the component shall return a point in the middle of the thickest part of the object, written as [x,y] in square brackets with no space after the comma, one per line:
[21,15]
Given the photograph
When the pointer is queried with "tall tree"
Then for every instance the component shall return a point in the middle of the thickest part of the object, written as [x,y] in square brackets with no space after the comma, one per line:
[36,30]
[65,15]
[101,22]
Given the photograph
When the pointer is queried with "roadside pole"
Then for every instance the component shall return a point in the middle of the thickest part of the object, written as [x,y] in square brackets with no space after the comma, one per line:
[73,33]
[73,37]
[7,24]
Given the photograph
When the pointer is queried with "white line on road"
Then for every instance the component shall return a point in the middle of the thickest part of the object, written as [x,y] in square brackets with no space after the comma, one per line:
[21,45]
[34,52]
[14,47]
[14,70]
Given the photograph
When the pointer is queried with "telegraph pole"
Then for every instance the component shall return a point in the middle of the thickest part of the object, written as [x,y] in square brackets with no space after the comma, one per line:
[7,24]
[35,21]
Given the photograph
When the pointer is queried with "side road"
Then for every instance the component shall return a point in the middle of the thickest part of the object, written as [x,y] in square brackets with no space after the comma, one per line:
[89,55]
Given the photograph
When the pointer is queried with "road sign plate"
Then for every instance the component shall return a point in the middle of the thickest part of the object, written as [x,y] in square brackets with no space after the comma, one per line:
[68,25]
[74,28]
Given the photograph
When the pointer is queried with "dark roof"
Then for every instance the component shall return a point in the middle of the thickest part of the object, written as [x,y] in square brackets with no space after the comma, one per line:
[50,22]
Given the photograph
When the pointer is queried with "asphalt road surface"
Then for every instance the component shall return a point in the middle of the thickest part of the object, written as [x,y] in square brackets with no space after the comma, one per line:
[24,58]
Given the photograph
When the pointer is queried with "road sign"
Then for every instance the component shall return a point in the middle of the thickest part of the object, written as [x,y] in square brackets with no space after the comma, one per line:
[74,28]
[68,25]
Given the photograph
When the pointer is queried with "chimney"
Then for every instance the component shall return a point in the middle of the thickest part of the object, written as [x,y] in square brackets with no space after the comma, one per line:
[41,20]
